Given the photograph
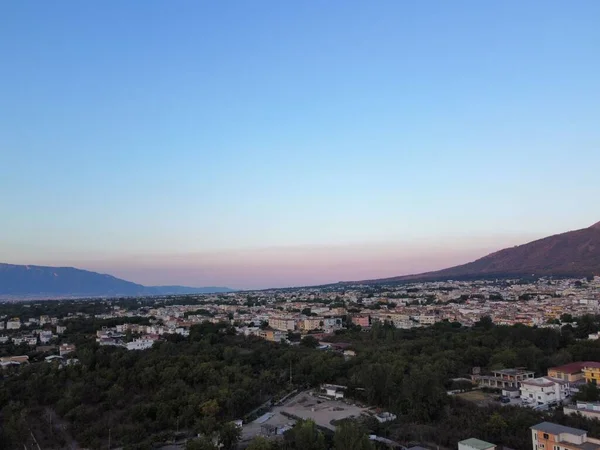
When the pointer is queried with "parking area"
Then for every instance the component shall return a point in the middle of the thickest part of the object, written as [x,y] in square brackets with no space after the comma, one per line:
[306,406]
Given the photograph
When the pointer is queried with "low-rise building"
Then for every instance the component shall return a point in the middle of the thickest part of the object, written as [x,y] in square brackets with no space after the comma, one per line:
[590,410]
[362,320]
[475,444]
[282,323]
[140,344]
[591,372]
[13,324]
[503,378]
[544,391]
[571,372]
[551,436]
[65,349]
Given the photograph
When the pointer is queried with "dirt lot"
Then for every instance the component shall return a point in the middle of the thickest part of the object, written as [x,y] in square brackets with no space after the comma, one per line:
[305,406]
[479,397]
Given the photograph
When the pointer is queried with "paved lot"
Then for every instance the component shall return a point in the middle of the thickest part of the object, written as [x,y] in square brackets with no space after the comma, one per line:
[305,406]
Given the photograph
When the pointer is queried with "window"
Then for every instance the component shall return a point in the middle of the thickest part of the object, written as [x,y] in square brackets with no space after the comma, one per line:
[546,436]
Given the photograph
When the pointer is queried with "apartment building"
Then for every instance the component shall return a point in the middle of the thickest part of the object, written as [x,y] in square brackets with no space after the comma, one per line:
[13,324]
[282,323]
[551,436]
[310,323]
[503,378]
[591,372]
[544,391]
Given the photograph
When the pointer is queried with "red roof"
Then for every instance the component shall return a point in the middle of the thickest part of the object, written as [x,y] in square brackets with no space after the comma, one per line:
[575,367]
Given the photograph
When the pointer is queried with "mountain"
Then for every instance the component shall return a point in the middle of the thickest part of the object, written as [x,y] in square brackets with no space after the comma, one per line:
[573,254]
[40,281]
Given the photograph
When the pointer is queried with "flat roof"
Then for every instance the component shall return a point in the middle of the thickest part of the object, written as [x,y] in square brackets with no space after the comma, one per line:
[554,428]
[477,443]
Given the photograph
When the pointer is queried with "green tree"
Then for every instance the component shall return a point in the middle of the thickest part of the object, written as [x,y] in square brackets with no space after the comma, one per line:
[309,341]
[261,443]
[203,443]
[230,435]
[306,436]
[350,435]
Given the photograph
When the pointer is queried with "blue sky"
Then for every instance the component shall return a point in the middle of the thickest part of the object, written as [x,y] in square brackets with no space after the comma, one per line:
[219,142]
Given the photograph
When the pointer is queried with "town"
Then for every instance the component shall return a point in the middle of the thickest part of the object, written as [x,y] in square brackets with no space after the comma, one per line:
[319,318]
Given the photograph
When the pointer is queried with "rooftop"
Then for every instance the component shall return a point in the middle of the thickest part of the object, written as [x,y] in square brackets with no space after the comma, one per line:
[574,367]
[477,443]
[553,428]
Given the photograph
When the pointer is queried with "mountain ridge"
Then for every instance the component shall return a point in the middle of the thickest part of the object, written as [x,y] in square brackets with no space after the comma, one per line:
[574,253]
[37,281]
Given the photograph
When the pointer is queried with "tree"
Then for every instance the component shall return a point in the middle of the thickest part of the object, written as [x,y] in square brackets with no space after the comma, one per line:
[350,435]
[203,443]
[261,443]
[230,435]
[566,318]
[305,436]
[309,341]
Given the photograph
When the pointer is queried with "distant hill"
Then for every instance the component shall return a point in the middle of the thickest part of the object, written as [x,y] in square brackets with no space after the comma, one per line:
[573,254]
[39,281]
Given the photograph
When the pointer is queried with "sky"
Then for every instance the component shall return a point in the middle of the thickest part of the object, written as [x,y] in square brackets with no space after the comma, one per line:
[267,143]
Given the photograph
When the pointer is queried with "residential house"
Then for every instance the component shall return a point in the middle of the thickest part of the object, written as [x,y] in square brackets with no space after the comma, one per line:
[551,436]
[272,335]
[475,444]
[503,378]
[13,324]
[591,410]
[544,391]
[362,320]
[571,372]
[140,344]
[60,329]
[65,349]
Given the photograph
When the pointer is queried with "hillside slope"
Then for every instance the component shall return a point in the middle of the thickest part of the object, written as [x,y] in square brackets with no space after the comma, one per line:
[575,253]
[18,280]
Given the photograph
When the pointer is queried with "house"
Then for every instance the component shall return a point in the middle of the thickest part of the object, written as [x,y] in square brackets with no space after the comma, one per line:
[13,324]
[544,391]
[591,372]
[571,372]
[475,444]
[333,390]
[272,335]
[60,329]
[362,320]
[45,336]
[591,410]
[65,349]
[551,436]
[503,378]
[140,344]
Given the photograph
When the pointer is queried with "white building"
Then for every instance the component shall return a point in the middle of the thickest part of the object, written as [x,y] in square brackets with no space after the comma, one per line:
[282,323]
[60,329]
[544,391]
[13,324]
[45,336]
[475,444]
[140,344]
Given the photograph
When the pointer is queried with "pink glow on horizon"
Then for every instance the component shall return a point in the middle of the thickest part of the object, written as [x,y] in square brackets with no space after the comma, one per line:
[294,266]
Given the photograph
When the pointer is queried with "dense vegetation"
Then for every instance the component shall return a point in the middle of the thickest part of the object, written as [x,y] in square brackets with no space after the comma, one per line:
[200,383]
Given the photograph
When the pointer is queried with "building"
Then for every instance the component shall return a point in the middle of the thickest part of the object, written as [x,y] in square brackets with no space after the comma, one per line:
[45,336]
[140,344]
[332,323]
[272,335]
[65,349]
[591,372]
[333,390]
[385,417]
[60,329]
[475,444]
[311,323]
[571,372]
[503,378]
[13,324]
[550,436]
[362,320]
[282,323]
[544,391]
[591,410]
